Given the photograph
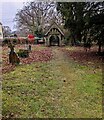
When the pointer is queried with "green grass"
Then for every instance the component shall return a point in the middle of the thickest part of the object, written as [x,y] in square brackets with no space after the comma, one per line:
[30,91]
[58,88]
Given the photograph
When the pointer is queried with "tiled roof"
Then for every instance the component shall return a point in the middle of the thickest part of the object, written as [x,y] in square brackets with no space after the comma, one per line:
[54,25]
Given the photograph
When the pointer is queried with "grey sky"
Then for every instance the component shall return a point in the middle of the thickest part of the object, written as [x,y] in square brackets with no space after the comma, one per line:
[8,11]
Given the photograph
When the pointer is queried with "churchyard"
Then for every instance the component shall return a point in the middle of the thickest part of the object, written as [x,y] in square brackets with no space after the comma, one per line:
[52,82]
[52,60]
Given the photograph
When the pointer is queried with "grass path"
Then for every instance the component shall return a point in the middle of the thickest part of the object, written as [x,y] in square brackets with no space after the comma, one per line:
[57,88]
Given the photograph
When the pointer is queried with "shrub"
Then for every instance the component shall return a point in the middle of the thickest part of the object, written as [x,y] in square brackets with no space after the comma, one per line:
[6,41]
[14,41]
[23,53]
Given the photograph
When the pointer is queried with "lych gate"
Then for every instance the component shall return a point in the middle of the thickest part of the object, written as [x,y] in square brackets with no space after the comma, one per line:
[54,40]
[54,36]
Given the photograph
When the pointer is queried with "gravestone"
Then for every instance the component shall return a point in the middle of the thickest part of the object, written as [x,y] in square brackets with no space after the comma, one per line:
[29,47]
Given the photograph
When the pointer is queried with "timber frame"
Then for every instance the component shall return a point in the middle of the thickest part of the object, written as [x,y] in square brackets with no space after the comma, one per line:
[55,32]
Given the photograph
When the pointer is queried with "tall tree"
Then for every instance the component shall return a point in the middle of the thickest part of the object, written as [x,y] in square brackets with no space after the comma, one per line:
[95,23]
[84,19]
[35,15]
[72,13]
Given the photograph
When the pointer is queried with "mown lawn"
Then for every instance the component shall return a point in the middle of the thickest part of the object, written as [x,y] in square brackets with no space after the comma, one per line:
[60,88]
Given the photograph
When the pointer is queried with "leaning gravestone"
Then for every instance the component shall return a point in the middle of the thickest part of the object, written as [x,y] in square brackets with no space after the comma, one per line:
[13,58]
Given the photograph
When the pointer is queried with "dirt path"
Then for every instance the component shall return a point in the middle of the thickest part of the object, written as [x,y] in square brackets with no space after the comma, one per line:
[62,65]
[75,96]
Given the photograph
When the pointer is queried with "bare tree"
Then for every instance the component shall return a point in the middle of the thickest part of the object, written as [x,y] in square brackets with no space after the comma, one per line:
[35,15]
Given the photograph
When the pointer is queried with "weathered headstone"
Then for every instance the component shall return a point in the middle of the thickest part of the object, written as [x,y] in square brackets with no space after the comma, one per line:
[29,47]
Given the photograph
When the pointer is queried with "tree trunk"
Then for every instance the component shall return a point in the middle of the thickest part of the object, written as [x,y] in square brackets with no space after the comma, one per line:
[73,40]
[79,37]
[99,49]
[99,46]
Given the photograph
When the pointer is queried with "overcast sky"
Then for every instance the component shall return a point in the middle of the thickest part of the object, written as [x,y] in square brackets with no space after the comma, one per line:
[8,10]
